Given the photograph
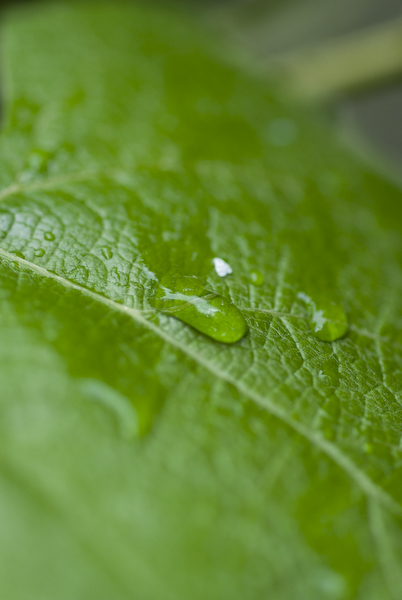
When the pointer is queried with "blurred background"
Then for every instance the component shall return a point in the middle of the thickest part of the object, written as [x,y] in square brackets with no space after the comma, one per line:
[267,28]
[272,27]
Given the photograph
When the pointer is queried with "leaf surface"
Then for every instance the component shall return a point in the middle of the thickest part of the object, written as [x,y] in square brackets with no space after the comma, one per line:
[140,458]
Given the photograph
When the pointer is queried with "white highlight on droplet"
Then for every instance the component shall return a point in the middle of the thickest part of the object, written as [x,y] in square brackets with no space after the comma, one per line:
[222,267]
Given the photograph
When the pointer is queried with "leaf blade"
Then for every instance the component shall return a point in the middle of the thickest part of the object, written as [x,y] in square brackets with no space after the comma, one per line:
[138,180]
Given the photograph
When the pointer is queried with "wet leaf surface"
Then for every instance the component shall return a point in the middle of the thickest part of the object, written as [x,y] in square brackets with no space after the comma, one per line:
[139,457]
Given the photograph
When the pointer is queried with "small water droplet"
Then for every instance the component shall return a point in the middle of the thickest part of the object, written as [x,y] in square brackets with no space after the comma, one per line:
[3,234]
[282,132]
[186,299]
[328,319]
[222,267]
[256,277]
[18,254]
[106,252]
[49,236]
[39,252]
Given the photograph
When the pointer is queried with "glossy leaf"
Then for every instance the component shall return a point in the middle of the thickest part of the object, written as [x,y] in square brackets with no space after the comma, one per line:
[139,457]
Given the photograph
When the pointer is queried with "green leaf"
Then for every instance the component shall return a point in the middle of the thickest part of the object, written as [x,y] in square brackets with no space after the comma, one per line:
[140,458]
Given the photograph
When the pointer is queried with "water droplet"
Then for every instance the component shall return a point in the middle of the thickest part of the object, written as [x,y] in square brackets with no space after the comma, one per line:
[49,236]
[106,252]
[186,299]
[222,267]
[256,277]
[3,234]
[328,319]
[18,254]
[39,252]
[330,323]
[282,132]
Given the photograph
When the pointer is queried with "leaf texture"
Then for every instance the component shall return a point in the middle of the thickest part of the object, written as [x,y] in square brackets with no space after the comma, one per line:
[139,458]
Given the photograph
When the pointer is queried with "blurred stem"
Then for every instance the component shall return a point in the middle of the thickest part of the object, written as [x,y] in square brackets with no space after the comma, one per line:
[366,59]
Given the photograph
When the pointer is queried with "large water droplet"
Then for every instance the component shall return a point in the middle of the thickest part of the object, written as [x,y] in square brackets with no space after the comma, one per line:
[187,299]
[256,277]
[328,319]
[49,236]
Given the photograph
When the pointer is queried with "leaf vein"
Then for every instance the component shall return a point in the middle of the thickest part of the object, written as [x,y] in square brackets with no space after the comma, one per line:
[369,487]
